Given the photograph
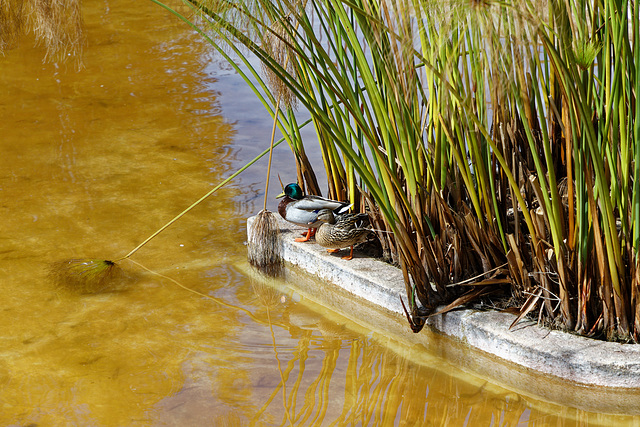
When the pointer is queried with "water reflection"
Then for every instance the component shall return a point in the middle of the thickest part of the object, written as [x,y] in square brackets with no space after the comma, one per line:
[92,163]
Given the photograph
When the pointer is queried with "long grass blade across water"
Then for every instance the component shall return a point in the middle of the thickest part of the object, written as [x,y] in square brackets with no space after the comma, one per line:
[91,275]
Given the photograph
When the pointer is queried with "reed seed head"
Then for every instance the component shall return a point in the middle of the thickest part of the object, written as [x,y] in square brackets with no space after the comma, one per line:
[277,43]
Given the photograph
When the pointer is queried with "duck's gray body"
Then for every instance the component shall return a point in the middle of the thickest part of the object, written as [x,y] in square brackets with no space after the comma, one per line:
[303,210]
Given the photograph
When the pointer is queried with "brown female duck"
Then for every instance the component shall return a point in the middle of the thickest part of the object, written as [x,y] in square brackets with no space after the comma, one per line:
[340,231]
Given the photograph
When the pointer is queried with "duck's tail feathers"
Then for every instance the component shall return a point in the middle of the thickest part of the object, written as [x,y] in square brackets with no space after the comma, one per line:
[363,220]
[342,209]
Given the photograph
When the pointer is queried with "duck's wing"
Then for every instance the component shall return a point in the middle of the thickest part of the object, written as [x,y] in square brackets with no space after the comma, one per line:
[347,236]
[352,221]
[316,203]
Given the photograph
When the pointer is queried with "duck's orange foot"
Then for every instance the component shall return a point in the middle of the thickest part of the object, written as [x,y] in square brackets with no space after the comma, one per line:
[350,256]
[309,234]
[333,251]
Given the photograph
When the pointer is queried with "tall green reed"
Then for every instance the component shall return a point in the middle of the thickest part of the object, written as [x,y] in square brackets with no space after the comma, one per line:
[492,140]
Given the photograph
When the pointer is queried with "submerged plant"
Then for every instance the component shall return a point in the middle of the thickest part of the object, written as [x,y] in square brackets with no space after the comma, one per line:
[87,276]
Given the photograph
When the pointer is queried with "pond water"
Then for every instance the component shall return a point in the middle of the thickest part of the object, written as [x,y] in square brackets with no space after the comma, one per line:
[93,162]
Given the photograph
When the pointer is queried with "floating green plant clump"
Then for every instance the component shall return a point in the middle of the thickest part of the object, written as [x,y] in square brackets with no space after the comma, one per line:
[87,276]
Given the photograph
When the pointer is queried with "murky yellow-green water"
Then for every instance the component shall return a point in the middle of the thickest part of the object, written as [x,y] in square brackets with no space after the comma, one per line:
[92,162]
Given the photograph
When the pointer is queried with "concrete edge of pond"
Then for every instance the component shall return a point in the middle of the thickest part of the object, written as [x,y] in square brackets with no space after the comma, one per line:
[582,361]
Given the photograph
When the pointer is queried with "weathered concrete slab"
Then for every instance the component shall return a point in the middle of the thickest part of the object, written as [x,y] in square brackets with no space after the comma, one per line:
[364,277]
[571,357]
[569,361]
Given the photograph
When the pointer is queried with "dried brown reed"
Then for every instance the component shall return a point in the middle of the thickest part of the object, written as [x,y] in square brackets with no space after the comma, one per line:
[12,17]
[57,25]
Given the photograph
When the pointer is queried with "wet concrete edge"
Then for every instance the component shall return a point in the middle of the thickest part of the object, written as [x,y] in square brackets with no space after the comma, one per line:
[579,360]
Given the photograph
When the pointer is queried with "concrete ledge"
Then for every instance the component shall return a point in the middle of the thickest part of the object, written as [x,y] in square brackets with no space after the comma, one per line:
[570,357]
[366,278]
[569,360]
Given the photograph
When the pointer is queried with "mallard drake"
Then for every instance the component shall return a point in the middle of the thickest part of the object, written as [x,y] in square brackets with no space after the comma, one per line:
[337,232]
[303,210]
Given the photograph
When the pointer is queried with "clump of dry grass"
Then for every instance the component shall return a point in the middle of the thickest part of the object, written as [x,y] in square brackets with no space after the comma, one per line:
[277,44]
[57,25]
[264,249]
[12,17]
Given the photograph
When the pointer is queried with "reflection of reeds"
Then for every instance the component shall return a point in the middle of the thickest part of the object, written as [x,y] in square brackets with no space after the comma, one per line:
[378,387]
[229,420]
[268,295]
